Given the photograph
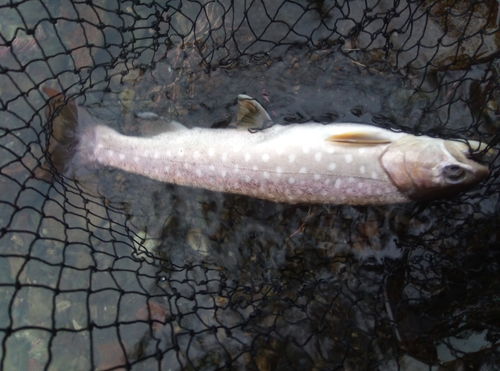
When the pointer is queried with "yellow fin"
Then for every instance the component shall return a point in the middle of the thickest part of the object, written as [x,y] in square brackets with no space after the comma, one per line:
[250,114]
[358,138]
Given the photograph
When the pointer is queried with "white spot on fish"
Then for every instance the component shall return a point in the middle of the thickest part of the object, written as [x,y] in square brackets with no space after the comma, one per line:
[224,157]
[121,156]
[266,174]
[110,153]
[236,168]
[361,150]
[350,180]
[291,158]
[348,158]
[332,166]
[177,173]
[374,175]
[318,156]
[223,173]
[255,168]
[280,150]
[338,182]
[212,167]
[324,193]
[211,152]
[291,180]
[330,150]
[198,172]
[196,154]
[361,184]
[327,181]
[247,178]
[99,146]
[303,170]
[156,155]
[165,169]
[362,169]
[317,177]
[169,154]
[278,170]
[265,157]
[136,159]
[305,149]
[186,165]
[247,157]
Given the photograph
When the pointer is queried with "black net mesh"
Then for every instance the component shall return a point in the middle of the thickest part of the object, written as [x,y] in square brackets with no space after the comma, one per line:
[117,271]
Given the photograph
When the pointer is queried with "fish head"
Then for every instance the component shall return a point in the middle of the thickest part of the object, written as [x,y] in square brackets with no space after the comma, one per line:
[426,168]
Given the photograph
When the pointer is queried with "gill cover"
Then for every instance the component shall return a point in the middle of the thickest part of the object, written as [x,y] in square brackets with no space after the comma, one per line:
[425,168]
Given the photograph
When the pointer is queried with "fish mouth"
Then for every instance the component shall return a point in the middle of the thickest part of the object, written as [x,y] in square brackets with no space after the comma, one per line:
[471,155]
[475,150]
[472,149]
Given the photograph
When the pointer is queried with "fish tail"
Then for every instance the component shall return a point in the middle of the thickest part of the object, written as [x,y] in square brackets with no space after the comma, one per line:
[72,137]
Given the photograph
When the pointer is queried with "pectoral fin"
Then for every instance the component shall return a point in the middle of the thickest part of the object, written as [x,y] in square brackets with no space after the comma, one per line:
[359,138]
[250,114]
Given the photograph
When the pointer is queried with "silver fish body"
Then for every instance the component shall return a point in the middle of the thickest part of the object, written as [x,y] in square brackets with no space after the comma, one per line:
[292,164]
[300,163]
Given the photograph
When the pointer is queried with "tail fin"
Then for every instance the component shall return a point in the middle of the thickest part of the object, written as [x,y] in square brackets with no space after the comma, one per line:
[62,117]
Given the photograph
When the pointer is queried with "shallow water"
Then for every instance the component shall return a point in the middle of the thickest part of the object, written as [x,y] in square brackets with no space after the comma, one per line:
[118,267]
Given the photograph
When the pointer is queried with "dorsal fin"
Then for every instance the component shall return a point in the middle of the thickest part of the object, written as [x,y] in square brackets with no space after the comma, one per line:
[359,138]
[250,114]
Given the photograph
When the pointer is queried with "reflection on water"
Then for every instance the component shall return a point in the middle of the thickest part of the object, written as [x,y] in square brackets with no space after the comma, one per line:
[120,270]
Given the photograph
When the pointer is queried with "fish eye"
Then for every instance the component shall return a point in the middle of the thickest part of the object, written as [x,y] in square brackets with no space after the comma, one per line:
[454,173]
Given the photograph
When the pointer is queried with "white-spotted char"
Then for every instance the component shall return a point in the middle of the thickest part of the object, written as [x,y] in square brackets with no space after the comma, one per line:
[299,163]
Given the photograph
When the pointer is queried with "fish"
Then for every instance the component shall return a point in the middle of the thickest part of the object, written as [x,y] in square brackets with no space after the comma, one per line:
[311,163]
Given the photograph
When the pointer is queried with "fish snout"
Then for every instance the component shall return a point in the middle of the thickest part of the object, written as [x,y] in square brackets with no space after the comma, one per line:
[465,166]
